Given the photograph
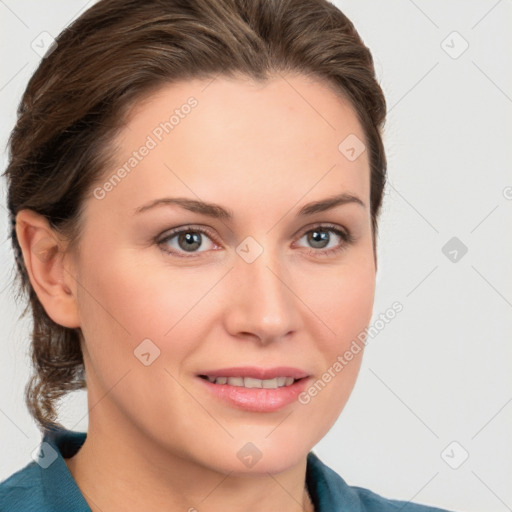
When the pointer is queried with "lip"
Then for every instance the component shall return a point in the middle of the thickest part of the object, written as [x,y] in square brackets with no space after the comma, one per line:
[256,399]
[257,372]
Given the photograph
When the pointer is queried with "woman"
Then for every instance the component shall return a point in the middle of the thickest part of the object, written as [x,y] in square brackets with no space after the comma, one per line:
[194,189]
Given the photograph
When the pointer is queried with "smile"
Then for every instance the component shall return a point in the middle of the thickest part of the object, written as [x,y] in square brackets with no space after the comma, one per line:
[255,389]
[249,382]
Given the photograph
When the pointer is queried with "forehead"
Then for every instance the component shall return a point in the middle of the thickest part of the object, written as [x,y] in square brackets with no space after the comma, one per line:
[238,138]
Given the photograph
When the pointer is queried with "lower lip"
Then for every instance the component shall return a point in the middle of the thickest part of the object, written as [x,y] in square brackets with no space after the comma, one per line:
[257,399]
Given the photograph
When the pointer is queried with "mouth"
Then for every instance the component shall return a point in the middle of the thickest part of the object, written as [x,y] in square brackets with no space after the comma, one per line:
[250,382]
[255,389]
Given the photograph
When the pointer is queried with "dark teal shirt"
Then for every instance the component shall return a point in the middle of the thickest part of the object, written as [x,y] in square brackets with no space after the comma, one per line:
[48,486]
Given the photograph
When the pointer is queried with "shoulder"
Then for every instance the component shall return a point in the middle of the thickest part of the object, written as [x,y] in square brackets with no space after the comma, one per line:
[374,502]
[23,490]
[45,484]
[331,493]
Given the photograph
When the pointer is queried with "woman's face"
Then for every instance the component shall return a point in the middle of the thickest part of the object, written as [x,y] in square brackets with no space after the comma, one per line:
[261,281]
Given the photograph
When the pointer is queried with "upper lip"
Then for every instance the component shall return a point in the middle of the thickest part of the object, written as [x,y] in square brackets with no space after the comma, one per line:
[257,372]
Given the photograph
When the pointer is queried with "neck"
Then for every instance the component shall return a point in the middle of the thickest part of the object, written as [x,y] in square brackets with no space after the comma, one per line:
[123,469]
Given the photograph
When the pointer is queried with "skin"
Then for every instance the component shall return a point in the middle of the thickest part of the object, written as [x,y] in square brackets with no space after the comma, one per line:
[156,440]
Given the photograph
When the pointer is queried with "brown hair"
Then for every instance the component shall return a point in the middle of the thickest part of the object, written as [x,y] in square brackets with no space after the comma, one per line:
[119,51]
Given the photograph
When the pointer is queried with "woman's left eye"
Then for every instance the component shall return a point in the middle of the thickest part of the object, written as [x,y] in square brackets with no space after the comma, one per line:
[320,238]
[191,239]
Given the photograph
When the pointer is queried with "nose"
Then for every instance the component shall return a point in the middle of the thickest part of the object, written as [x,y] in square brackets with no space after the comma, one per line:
[261,304]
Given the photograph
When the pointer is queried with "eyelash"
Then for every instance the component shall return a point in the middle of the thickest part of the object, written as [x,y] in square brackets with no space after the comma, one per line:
[346,237]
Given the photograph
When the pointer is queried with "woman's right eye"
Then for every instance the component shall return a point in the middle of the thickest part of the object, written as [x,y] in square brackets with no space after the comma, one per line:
[186,240]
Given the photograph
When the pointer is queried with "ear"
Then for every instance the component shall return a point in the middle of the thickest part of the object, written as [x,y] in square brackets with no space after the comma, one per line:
[48,267]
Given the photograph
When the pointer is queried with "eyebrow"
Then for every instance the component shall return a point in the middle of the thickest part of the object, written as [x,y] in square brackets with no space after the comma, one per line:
[218,212]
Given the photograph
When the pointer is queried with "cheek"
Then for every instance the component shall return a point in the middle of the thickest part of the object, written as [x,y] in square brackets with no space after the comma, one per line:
[126,302]
[343,302]
[348,302]
[343,297]
[131,299]
[141,297]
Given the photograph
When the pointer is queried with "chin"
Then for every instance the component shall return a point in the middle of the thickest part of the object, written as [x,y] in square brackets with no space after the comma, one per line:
[262,456]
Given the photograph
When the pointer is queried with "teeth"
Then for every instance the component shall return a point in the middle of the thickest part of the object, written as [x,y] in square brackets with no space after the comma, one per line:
[252,383]
[249,382]
[269,383]
[235,381]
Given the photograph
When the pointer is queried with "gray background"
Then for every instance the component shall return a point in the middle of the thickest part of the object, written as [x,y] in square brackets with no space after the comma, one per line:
[440,372]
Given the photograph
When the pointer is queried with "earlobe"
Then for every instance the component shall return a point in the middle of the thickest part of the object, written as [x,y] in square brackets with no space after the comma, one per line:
[45,261]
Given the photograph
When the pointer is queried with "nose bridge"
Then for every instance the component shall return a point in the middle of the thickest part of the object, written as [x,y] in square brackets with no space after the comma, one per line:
[262,303]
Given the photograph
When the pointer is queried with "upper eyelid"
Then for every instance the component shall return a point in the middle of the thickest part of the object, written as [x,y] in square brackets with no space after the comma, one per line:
[171,233]
[322,225]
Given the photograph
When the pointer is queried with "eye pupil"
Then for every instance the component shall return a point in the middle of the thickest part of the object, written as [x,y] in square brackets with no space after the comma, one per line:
[318,236]
[193,241]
